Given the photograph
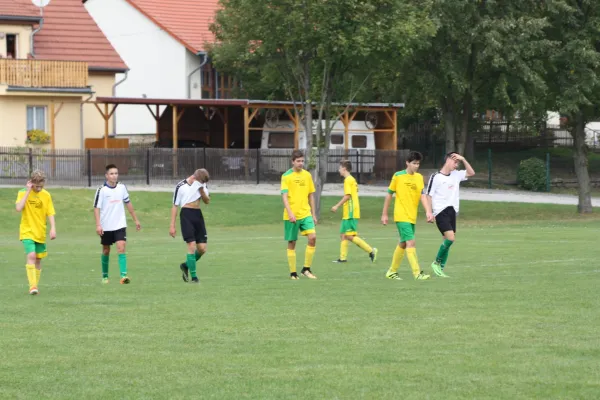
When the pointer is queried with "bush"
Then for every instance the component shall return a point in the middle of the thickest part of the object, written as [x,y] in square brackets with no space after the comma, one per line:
[37,136]
[531,174]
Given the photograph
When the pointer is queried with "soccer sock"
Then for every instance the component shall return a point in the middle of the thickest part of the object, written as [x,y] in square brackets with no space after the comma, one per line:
[30,268]
[308,256]
[344,250]
[190,261]
[362,244]
[411,253]
[197,255]
[397,259]
[123,264]
[291,256]
[443,251]
[104,265]
[445,259]
[38,274]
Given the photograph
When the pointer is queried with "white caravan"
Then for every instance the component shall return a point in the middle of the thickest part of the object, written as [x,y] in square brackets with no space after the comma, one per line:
[279,138]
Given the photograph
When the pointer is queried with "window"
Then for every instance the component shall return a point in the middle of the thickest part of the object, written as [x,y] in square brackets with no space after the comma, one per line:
[337,139]
[359,142]
[36,118]
[11,46]
[281,140]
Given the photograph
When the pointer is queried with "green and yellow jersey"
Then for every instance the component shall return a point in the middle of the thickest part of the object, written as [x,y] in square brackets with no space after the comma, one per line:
[407,188]
[298,185]
[352,206]
[37,208]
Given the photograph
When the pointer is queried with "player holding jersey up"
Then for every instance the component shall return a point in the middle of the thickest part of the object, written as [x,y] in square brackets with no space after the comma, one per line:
[111,224]
[187,196]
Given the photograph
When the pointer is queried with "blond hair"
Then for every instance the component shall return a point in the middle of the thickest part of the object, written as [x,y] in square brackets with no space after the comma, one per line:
[38,176]
[201,175]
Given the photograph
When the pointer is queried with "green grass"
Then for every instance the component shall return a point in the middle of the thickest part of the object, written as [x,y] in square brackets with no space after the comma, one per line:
[517,319]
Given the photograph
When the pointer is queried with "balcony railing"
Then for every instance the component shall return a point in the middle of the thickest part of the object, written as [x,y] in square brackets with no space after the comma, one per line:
[43,74]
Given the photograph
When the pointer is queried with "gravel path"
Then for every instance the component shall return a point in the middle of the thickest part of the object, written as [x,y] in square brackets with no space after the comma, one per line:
[374,191]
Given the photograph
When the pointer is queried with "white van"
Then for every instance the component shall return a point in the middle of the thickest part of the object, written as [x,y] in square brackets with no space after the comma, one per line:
[281,142]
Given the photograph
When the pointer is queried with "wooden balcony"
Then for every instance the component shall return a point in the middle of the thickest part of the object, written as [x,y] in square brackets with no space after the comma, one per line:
[43,74]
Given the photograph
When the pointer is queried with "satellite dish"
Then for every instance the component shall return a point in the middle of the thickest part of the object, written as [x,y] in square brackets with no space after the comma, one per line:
[40,3]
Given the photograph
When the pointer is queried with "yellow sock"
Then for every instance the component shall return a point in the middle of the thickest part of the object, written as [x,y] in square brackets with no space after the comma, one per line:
[38,272]
[308,256]
[291,255]
[411,253]
[344,250]
[397,259]
[362,244]
[31,275]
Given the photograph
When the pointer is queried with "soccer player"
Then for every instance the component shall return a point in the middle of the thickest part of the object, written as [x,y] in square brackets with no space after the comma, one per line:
[187,196]
[297,192]
[442,204]
[351,215]
[407,185]
[111,223]
[35,205]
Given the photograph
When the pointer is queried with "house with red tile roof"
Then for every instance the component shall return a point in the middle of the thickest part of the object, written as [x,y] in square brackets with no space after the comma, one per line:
[164,44]
[50,63]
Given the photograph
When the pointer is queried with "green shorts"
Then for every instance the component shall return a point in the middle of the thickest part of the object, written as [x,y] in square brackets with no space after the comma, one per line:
[306,226]
[348,227]
[38,248]
[406,230]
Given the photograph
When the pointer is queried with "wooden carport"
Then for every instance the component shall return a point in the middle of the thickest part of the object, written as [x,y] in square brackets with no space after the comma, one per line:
[385,116]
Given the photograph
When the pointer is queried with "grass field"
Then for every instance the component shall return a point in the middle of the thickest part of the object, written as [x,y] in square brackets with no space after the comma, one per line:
[517,319]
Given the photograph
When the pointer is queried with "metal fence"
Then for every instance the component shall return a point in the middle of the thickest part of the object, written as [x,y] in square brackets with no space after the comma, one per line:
[153,166]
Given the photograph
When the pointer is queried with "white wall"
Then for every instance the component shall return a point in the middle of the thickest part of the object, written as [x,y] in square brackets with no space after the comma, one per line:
[157,62]
[192,62]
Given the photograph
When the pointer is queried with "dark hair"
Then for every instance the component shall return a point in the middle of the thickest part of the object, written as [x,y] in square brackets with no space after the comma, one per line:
[414,156]
[448,155]
[346,164]
[111,166]
[297,154]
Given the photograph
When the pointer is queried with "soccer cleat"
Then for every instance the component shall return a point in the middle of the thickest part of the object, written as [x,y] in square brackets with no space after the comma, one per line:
[308,273]
[33,291]
[442,274]
[125,280]
[373,255]
[294,276]
[392,275]
[105,281]
[422,277]
[184,272]
[195,280]
[437,269]
[340,261]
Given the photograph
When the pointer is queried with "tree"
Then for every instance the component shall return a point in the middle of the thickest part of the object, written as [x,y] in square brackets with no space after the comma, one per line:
[313,52]
[573,77]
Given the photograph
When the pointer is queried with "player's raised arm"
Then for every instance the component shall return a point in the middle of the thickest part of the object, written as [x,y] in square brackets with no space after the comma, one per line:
[469,169]
[22,200]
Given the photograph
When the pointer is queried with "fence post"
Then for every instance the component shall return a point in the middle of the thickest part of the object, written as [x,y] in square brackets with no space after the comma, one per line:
[204,158]
[257,166]
[489,168]
[547,172]
[89,167]
[30,161]
[147,166]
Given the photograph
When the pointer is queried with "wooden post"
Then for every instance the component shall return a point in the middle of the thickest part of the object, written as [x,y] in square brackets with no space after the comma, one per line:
[53,136]
[246,128]
[157,118]
[226,127]
[296,130]
[175,139]
[106,125]
[395,125]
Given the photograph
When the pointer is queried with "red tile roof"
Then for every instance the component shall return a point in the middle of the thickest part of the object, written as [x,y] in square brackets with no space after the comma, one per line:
[18,8]
[187,21]
[69,34]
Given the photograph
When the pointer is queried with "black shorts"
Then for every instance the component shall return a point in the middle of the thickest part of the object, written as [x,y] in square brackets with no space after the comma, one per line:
[446,220]
[192,225]
[109,238]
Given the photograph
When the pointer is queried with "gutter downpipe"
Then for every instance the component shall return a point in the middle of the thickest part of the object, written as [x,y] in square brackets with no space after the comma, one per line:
[114,94]
[41,24]
[81,138]
[189,78]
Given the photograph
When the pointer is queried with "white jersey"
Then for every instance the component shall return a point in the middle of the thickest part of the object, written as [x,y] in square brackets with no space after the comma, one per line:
[443,190]
[111,202]
[187,193]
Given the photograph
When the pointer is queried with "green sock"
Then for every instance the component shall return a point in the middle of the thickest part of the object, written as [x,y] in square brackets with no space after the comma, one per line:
[442,255]
[104,265]
[123,264]
[197,255]
[190,261]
